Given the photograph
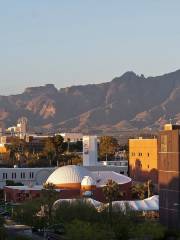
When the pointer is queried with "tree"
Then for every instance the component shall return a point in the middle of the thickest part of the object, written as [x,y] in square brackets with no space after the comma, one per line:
[58,142]
[107,147]
[50,150]
[148,230]
[79,209]
[142,190]
[48,196]
[112,193]
[16,149]
[26,213]
[78,230]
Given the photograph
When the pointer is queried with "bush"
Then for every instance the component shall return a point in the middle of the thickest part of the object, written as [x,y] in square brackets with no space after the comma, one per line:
[67,212]
[78,230]
[148,230]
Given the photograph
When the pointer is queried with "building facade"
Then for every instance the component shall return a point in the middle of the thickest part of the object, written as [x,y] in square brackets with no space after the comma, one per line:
[143,159]
[26,176]
[169,175]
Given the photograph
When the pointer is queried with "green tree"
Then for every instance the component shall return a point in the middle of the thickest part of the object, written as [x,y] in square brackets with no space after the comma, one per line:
[112,193]
[26,213]
[17,148]
[147,230]
[81,210]
[142,190]
[38,212]
[78,230]
[107,147]
[50,150]
[58,141]
[48,196]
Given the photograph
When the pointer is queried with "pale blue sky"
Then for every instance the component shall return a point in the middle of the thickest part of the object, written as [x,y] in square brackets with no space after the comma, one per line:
[70,42]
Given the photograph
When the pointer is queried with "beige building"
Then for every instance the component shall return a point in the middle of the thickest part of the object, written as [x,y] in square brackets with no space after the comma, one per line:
[143,159]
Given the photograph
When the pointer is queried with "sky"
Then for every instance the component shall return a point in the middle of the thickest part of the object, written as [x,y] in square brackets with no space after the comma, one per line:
[85,41]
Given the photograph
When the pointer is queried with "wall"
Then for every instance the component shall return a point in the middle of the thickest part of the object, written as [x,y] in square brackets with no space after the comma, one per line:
[36,176]
[143,159]
[169,178]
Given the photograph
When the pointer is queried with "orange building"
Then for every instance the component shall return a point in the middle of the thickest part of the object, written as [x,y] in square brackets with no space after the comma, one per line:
[4,154]
[143,159]
[3,149]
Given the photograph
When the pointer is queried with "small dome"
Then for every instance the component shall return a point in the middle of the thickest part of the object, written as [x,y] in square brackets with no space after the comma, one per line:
[88,181]
[88,184]
[69,176]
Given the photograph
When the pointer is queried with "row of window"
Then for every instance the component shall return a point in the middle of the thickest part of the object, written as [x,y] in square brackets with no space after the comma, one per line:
[133,154]
[23,175]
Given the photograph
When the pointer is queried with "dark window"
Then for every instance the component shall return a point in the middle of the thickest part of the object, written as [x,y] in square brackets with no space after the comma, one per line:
[31,175]
[4,175]
[23,175]
[13,175]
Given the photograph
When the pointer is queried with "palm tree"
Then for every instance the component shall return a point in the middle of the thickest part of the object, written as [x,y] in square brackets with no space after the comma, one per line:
[112,193]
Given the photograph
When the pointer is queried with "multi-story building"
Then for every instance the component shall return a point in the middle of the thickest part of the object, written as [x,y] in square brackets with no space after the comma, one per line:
[143,159]
[169,175]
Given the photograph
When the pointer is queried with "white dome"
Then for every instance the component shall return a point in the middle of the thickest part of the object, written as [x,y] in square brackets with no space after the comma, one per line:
[68,174]
[88,181]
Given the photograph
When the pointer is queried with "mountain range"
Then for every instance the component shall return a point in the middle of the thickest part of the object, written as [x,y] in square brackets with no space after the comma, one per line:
[129,102]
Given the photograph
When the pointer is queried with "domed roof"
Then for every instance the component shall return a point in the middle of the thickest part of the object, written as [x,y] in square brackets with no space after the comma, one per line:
[68,174]
[88,181]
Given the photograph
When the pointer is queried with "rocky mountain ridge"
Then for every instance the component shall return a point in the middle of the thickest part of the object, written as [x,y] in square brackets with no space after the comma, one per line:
[128,102]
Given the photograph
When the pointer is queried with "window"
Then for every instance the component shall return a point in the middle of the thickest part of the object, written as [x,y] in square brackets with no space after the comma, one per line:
[31,175]
[148,154]
[4,175]
[163,143]
[23,175]
[13,175]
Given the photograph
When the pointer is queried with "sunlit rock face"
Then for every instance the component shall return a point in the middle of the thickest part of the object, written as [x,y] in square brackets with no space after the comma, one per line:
[127,102]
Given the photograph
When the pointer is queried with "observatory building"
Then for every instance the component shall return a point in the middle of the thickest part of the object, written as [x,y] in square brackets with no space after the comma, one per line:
[73,182]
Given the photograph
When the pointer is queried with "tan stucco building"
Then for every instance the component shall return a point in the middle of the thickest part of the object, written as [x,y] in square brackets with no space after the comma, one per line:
[143,159]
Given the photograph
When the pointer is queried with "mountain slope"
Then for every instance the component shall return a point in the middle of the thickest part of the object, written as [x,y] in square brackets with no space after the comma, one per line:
[127,102]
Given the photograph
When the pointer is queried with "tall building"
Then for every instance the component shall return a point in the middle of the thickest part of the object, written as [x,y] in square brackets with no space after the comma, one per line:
[169,175]
[23,126]
[90,157]
[143,159]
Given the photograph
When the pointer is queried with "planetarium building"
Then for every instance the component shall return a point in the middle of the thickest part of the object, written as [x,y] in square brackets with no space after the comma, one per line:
[73,181]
